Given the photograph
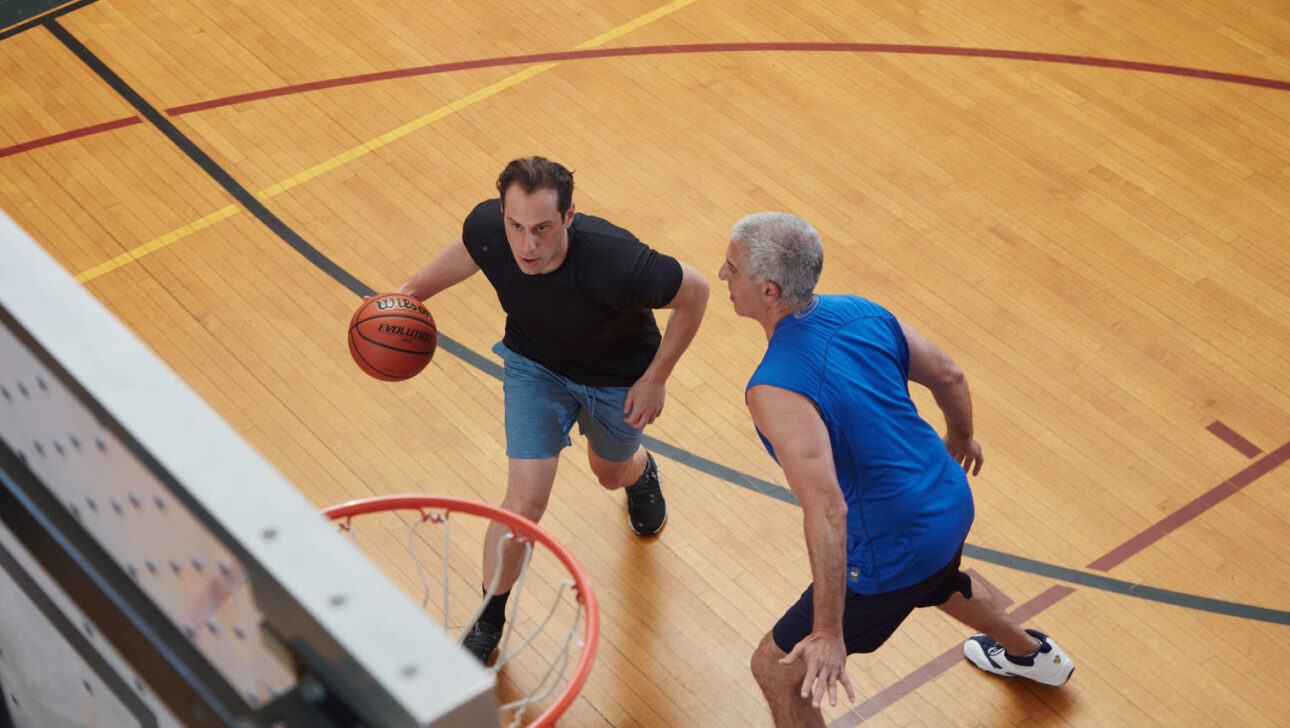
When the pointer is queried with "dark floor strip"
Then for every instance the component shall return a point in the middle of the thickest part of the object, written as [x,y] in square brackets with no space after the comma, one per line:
[1231,437]
[1127,588]
[208,165]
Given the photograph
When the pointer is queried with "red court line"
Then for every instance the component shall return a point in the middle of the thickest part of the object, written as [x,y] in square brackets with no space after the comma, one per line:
[940,664]
[733,48]
[699,48]
[68,135]
[1229,436]
[1198,506]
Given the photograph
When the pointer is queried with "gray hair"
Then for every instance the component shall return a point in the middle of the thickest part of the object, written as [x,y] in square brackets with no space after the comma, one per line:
[782,248]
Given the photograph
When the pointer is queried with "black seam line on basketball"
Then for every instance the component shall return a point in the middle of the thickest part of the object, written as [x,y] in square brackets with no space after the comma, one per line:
[208,165]
[356,330]
[383,345]
[685,457]
[360,355]
[29,24]
[407,316]
[77,641]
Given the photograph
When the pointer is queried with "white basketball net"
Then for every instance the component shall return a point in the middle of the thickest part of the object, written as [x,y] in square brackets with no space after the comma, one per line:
[545,668]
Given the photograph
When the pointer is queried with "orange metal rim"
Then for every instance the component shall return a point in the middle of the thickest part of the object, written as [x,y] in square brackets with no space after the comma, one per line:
[518,524]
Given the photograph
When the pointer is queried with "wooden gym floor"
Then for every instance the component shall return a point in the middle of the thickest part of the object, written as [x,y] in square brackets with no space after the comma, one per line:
[1089,211]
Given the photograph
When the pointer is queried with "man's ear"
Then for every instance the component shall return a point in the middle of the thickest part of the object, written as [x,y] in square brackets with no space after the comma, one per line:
[568,215]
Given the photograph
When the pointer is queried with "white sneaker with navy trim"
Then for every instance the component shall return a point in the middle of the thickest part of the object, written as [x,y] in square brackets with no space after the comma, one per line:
[1049,665]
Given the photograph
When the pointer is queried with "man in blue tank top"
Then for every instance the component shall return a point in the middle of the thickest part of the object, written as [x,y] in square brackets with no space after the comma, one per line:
[885,499]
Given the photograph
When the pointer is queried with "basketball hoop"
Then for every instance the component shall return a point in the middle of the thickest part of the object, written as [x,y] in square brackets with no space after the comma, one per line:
[546,670]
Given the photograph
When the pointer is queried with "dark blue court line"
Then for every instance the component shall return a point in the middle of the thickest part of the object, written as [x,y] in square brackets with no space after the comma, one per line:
[730,475]
[1127,588]
[685,457]
[980,553]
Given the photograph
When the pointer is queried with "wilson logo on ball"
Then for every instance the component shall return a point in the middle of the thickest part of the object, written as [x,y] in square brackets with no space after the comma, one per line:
[405,303]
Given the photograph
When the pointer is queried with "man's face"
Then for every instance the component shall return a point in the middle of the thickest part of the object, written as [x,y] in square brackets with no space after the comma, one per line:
[745,293]
[535,230]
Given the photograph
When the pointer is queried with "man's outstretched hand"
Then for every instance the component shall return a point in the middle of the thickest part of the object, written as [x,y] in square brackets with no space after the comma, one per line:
[825,657]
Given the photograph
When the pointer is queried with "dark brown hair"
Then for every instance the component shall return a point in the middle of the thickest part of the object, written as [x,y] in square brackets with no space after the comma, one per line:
[538,173]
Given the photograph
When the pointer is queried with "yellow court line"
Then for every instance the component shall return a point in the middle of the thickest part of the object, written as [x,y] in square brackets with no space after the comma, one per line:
[376,143]
[161,242]
[397,133]
[461,103]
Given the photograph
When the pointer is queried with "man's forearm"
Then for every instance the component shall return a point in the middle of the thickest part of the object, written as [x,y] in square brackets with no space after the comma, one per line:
[792,424]
[826,531]
[451,266]
[956,404]
[682,325]
[687,306]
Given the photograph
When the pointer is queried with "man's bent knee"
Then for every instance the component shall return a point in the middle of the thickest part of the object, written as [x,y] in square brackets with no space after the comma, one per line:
[613,475]
[765,662]
[612,479]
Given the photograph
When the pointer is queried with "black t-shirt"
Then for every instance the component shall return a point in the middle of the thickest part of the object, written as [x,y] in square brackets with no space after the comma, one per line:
[591,319]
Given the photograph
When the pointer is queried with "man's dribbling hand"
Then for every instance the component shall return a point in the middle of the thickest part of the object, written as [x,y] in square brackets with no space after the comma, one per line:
[644,402]
[825,657]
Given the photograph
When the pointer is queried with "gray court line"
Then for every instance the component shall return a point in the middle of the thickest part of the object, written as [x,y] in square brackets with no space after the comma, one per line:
[717,470]
[1127,588]
[998,558]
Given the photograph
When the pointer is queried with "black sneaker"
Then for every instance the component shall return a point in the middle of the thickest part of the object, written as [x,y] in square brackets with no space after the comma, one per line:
[482,641]
[646,509]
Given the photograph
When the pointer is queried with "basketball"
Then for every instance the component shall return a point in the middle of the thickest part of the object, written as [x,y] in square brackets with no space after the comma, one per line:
[392,337]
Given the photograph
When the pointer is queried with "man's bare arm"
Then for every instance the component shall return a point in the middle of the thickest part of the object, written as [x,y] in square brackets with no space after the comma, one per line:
[646,397]
[934,369]
[794,428]
[451,266]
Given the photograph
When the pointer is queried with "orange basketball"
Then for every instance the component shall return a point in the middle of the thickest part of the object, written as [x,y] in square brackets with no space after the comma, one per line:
[392,337]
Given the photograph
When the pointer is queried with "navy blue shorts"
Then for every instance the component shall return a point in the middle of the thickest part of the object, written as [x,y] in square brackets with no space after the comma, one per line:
[868,620]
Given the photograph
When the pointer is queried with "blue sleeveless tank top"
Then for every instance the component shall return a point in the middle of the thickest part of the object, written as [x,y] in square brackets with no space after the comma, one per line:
[909,506]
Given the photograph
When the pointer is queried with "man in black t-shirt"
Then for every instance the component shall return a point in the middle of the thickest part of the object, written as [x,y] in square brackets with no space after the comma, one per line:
[580,345]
